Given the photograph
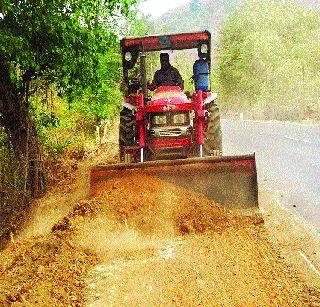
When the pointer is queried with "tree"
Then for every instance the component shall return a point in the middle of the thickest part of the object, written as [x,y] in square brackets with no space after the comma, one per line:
[268,61]
[53,41]
[194,5]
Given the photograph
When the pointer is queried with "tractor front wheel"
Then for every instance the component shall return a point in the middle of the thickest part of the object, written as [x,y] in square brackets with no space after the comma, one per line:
[126,131]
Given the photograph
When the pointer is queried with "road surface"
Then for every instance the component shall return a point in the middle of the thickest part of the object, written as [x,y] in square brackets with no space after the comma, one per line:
[288,160]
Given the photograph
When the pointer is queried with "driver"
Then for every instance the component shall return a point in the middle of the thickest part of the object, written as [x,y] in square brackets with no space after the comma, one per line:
[167,75]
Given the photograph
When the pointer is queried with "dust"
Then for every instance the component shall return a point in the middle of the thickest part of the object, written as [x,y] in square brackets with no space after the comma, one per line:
[44,270]
[165,245]
[141,212]
[144,241]
[112,241]
[55,205]
[61,198]
[137,215]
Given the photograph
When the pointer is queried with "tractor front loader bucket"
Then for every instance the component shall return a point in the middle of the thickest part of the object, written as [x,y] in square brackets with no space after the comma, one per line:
[229,180]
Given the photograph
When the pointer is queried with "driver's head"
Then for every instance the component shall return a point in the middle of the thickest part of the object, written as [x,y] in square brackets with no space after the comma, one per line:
[164,60]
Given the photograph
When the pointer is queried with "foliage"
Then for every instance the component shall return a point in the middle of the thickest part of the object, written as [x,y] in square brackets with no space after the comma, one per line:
[70,48]
[194,16]
[268,61]
[103,102]
[73,45]
[59,41]
[66,127]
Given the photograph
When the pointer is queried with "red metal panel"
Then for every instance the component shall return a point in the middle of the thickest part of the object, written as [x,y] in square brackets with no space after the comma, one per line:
[169,107]
[169,100]
[168,88]
[178,41]
[166,142]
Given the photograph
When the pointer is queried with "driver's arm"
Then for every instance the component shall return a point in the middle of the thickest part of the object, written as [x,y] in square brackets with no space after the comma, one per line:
[155,82]
[179,79]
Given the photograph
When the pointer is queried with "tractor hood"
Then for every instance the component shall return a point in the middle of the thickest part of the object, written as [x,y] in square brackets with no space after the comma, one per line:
[171,95]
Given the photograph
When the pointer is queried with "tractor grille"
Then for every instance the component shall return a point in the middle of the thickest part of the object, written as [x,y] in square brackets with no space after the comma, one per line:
[170,131]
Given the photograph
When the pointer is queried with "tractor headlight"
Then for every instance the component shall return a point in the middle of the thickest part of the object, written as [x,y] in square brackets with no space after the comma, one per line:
[160,119]
[204,48]
[179,118]
[128,56]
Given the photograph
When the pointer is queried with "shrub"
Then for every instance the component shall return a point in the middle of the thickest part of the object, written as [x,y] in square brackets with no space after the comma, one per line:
[268,61]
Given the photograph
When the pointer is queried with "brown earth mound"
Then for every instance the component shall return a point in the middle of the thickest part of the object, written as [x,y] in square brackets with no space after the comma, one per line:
[157,244]
[151,205]
[44,271]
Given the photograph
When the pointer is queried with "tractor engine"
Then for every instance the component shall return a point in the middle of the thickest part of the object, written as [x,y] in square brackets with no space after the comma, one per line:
[170,125]
[170,133]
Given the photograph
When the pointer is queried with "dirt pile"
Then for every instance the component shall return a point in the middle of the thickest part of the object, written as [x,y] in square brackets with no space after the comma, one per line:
[235,268]
[48,269]
[145,241]
[153,206]
[131,217]
[44,271]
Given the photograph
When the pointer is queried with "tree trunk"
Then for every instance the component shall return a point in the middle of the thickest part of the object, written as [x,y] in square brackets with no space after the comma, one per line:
[20,127]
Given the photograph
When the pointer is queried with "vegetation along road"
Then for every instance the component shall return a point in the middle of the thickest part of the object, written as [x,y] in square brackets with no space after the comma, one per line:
[287,159]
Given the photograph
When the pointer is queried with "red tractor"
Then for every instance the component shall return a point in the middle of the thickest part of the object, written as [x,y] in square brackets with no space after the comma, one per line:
[169,124]
[175,136]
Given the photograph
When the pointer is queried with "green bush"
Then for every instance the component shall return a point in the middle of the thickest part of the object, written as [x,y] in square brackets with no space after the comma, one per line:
[268,61]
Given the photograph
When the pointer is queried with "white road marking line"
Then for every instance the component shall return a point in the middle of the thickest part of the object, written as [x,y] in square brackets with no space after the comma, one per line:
[297,140]
[290,138]
[228,127]
[309,263]
[312,125]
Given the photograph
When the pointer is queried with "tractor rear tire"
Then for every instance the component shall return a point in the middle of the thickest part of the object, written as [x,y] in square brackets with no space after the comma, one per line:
[213,135]
[126,130]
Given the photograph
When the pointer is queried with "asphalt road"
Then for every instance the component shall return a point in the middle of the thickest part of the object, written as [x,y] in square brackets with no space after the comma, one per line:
[288,160]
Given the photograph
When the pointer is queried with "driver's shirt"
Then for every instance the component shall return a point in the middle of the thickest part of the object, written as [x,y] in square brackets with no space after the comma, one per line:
[167,77]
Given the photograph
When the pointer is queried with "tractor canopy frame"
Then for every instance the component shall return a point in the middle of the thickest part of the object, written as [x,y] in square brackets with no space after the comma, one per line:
[139,45]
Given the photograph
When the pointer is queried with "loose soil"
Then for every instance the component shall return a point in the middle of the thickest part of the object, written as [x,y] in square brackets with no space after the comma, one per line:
[144,241]
[174,246]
